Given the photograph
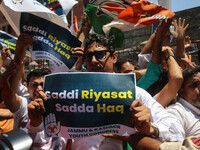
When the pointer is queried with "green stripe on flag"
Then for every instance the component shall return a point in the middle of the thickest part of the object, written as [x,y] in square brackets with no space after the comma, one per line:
[98,21]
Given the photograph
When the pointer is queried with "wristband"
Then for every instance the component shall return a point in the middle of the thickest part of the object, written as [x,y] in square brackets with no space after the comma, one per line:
[168,58]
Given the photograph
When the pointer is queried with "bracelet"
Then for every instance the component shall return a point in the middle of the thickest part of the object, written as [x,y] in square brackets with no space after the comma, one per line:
[168,57]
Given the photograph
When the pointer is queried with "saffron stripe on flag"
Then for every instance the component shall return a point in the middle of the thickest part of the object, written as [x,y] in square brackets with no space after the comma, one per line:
[196,142]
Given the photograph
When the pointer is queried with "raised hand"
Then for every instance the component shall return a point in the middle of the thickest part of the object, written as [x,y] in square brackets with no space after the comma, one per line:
[78,52]
[24,41]
[36,109]
[180,28]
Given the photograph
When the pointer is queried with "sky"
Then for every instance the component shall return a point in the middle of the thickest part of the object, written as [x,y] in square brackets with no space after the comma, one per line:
[179,5]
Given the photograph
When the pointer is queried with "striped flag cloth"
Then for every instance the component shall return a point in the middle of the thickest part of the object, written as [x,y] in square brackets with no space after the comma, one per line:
[74,27]
[121,15]
[137,15]
[196,142]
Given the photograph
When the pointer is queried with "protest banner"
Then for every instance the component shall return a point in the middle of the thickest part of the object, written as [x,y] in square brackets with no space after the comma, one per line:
[8,40]
[85,104]
[53,43]
[12,9]
[52,39]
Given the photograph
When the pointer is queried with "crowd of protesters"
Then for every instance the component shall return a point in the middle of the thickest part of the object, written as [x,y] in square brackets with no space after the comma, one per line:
[166,112]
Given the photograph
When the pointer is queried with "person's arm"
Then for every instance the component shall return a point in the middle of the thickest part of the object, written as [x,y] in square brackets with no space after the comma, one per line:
[85,29]
[5,113]
[148,47]
[8,95]
[175,78]
[160,33]
[24,41]
[1,61]
[154,68]
[160,118]
[140,142]
[184,63]
[180,55]
[11,77]
[180,39]
[81,35]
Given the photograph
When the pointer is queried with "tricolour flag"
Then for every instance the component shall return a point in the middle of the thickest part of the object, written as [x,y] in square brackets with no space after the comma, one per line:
[99,16]
[74,27]
[121,15]
[137,15]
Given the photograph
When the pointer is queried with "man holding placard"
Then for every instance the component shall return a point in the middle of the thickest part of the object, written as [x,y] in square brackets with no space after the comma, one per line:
[149,117]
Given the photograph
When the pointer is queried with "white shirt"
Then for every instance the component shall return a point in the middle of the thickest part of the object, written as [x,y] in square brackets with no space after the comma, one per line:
[188,116]
[168,125]
[143,60]
[22,90]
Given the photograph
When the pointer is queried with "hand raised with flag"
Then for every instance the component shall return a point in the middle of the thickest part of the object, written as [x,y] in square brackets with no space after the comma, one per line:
[163,28]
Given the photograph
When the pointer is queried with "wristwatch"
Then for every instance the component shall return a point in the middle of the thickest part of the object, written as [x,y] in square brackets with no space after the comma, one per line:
[155,133]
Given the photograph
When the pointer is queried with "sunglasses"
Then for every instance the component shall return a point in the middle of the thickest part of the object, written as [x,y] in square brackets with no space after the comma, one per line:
[35,84]
[99,55]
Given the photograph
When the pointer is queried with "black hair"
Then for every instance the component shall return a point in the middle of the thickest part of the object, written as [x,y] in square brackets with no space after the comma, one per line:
[122,59]
[190,72]
[102,40]
[37,73]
